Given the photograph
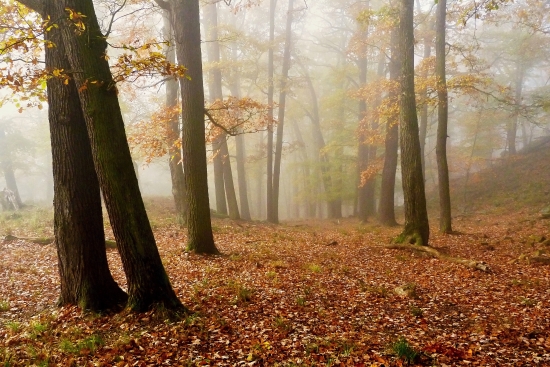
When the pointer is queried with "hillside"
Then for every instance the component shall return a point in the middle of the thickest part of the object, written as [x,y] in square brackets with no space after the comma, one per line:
[511,184]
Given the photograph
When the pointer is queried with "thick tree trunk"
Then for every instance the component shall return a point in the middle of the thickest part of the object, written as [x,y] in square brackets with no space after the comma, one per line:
[416,229]
[78,222]
[445,225]
[174,132]
[185,20]
[386,208]
[281,115]
[270,94]
[148,283]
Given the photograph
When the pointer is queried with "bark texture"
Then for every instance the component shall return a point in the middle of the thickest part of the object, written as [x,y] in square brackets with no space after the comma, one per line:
[416,229]
[78,221]
[148,283]
[185,20]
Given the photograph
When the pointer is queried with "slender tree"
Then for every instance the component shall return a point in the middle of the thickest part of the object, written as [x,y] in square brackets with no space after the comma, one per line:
[185,18]
[281,114]
[223,175]
[386,208]
[174,131]
[442,122]
[270,94]
[416,217]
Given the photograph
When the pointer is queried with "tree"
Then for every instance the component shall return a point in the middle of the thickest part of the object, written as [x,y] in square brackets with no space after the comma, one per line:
[416,217]
[6,165]
[442,122]
[281,115]
[85,47]
[184,15]
[386,208]
[223,175]
[174,132]
[270,93]
[78,221]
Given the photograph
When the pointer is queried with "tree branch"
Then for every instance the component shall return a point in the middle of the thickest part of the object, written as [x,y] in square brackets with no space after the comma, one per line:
[163,4]
[36,5]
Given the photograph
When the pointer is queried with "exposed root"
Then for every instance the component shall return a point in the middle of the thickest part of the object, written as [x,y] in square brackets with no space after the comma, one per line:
[477,265]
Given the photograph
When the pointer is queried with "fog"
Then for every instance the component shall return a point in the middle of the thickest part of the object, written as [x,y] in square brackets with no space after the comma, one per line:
[498,74]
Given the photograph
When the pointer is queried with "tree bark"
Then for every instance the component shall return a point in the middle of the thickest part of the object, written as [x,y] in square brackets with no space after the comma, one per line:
[416,229]
[445,225]
[148,283]
[78,225]
[175,162]
[185,20]
[386,208]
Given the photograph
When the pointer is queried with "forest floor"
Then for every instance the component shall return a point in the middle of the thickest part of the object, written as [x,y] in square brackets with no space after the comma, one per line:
[299,294]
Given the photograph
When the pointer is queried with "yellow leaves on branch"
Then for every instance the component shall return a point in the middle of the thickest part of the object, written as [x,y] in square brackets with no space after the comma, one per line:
[144,61]
[236,116]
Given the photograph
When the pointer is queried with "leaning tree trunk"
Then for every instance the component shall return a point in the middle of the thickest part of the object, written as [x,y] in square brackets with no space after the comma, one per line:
[416,229]
[185,19]
[78,221]
[362,147]
[281,115]
[148,283]
[174,132]
[386,208]
[445,225]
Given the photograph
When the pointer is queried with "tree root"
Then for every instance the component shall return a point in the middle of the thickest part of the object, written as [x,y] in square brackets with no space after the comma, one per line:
[473,264]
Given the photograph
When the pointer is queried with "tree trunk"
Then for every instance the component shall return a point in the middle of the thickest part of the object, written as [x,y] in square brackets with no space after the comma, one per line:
[85,279]
[241,158]
[185,20]
[362,147]
[148,283]
[221,152]
[281,114]
[445,225]
[270,93]
[520,73]
[174,132]
[416,229]
[386,208]
[7,167]
[424,109]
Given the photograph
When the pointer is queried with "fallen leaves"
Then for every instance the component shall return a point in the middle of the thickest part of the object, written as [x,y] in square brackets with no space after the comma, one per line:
[280,295]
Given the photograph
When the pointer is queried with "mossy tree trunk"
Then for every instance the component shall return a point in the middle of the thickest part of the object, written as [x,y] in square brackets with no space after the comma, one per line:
[78,221]
[148,283]
[416,229]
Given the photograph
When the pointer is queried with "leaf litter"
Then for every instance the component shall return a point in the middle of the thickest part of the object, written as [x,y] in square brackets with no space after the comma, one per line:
[300,294]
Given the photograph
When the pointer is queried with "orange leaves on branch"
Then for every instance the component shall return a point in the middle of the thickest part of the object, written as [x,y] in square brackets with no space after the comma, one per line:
[144,61]
[237,116]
